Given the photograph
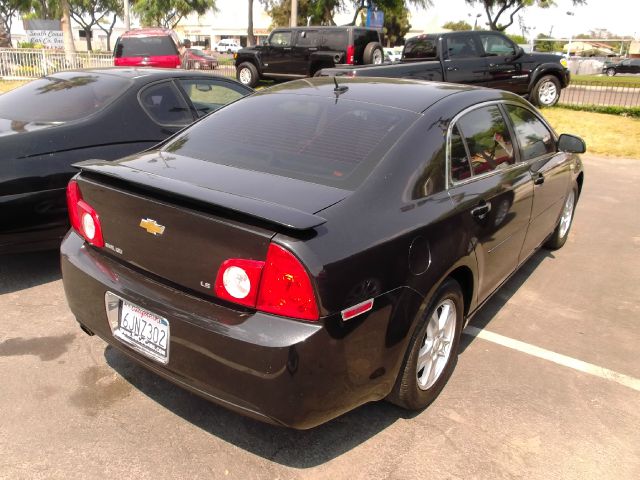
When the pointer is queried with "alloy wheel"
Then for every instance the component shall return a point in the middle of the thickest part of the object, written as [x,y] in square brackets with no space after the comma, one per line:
[436,346]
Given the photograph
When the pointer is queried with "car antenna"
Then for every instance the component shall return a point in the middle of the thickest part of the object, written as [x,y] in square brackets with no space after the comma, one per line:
[339,88]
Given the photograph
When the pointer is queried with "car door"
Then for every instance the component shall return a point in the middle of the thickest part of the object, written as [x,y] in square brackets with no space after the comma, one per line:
[306,44]
[276,54]
[462,60]
[491,190]
[209,94]
[550,171]
[504,67]
[624,67]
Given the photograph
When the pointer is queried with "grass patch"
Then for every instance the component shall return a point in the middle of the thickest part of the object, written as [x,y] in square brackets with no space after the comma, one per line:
[632,112]
[607,135]
[633,80]
[6,85]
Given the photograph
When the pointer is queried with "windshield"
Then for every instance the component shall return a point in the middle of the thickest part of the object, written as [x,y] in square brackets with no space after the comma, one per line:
[62,97]
[321,140]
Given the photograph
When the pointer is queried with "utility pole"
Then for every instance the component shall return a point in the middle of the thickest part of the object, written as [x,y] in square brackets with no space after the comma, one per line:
[127,18]
[294,13]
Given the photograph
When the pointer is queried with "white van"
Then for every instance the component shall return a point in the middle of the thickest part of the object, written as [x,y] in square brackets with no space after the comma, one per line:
[227,45]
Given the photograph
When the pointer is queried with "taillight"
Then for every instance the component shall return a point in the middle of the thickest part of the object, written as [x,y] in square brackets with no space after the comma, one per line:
[279,285]
[238,281]
[83,217]
[351,53]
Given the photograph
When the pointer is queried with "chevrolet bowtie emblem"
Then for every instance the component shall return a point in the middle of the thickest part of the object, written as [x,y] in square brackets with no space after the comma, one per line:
[151,226]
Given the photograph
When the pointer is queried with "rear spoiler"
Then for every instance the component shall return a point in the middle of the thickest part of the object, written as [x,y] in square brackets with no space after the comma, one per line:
[272,212]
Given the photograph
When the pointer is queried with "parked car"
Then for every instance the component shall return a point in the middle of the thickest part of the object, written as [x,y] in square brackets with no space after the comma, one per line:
[198,60]
[392,54]
[327,257]
[300,52]
[481,58]
[630,65]
[148,47]
[228,45]
[50,123]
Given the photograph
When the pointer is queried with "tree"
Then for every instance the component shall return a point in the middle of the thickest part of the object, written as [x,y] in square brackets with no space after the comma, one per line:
[251,39]
[67,33]
[167,13]
[8,8]
[88,13]
[495,9]
[457,26]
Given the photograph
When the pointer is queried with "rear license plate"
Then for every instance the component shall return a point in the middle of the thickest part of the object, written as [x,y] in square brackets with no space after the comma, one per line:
[145,332]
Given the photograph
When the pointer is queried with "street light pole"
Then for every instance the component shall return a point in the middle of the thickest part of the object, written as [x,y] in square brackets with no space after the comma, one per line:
[571,14]
[127,18]
[294,13]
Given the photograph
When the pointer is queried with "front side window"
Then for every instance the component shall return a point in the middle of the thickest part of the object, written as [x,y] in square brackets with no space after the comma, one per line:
[462,46]
[165,105]
[280,39]
[489,147]
[495,45]
[534,137]
[208,95]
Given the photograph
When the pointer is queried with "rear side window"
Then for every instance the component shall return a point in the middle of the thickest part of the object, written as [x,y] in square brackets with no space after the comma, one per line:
[308,38]
[67,95]
[164,103]
[485,141]
[320,140]
[145,47]
[462,46]
[420,48]
[336,39]
[534,137]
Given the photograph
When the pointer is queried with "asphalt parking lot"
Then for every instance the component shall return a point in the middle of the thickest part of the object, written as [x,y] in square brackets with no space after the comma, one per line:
[547,385]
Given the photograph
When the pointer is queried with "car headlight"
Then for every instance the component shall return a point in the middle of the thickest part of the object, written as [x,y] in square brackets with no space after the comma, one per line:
[564,63]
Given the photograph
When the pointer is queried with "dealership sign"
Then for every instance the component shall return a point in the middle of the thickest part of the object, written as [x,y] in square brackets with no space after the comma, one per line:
[48,38]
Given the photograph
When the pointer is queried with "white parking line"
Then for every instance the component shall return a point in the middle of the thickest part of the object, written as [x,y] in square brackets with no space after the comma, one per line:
[554,357]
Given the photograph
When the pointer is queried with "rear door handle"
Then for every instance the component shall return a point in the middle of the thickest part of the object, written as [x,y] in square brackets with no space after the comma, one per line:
[452,69]
[481,210]
[538,179]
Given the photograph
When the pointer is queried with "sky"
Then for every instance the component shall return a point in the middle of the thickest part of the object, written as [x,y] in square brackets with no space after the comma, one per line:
[621,17]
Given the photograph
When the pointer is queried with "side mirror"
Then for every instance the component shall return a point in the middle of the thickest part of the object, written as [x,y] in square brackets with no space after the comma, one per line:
[571,144]
[265,43]
[519,52]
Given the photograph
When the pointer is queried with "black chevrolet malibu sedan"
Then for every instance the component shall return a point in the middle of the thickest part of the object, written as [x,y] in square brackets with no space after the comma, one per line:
[327,256]
[50,123]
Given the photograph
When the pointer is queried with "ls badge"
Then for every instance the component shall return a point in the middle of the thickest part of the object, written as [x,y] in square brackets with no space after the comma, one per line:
[151,226]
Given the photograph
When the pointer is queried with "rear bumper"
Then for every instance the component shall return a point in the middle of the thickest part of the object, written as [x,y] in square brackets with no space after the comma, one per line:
[287,372]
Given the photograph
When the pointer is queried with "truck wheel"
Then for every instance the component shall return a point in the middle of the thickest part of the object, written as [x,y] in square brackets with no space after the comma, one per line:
[247,74]
[546,91]
[611,72]
[373,54]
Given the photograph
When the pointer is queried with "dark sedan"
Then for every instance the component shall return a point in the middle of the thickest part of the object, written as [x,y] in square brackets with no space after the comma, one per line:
[630,65]
[329,256]
[50,123]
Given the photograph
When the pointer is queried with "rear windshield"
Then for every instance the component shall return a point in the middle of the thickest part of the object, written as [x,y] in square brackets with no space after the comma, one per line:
[327,141]
[61,97]
[145,47]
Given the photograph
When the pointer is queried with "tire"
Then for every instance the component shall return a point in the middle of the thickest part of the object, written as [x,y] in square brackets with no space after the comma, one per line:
[611,72]
[415,389]
[373,54]
[546,91]
[247,74]
[559,236]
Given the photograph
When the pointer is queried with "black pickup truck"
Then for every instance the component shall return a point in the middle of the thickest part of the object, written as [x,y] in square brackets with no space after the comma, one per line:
[483,58]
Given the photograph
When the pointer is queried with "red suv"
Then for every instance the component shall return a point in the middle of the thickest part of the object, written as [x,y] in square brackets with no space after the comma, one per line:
[149,47]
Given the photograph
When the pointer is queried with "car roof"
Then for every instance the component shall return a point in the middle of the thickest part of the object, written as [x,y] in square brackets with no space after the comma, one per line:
[147,32]
[149,73]
[412,95]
